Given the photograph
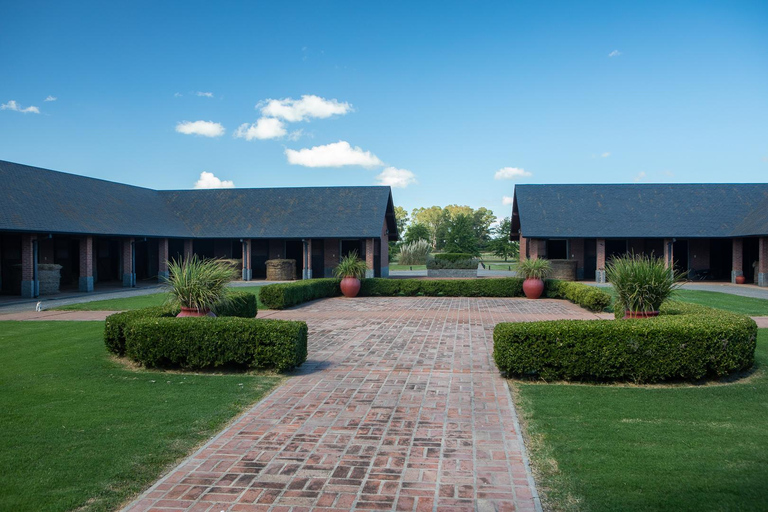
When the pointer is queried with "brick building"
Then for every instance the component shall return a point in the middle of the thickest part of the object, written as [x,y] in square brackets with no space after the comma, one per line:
[714,231]
[100,231]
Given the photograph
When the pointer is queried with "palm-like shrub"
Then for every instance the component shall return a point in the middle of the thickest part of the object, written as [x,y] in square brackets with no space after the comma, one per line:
[199,283]
[642,283]
[350,266]
[538,268]
[415,253]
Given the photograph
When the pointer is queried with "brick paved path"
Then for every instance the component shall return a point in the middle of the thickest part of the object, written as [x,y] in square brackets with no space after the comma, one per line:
[399,407]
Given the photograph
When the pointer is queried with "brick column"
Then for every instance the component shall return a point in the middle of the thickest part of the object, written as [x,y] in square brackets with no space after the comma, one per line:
[669,253]
[762,266]
[600,271]
[523,248]
[129,276]
[30,285]
[384,252]
[162,260]
[247,265]
[189,249]
[85,283]
[369,254]
[533,248]
[306,272]
[738,259]
[576,253]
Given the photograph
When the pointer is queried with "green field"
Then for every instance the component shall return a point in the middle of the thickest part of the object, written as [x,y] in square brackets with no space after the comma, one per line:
[142,301]
[80,431]
[737,304]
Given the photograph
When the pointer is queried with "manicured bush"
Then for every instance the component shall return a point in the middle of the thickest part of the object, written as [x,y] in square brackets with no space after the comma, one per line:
[243,304]
[207,342]
[281,296]
[588,297]
[685,342]
[452,260]
[503,287]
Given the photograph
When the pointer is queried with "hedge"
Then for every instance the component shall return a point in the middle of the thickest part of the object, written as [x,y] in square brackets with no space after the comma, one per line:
[452,260]
[280,296]
[243,304]
[685,342]
[205,342]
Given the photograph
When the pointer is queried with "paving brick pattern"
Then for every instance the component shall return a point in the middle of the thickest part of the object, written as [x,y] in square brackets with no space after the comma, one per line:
[399,407]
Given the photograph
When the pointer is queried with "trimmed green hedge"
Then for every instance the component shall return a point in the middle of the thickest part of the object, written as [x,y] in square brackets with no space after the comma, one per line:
[685,342]
[243,304]
[280,296]
[452,260]
[206,342]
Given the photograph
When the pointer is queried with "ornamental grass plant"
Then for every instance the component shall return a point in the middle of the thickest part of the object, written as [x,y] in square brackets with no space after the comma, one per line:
[539,268]
[415,253]
[642,283]
[350,266]
[198,283]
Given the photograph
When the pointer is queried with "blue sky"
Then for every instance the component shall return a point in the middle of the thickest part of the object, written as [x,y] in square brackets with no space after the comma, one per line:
[437,96]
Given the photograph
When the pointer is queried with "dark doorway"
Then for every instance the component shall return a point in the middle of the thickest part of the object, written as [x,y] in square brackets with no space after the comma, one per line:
[294,250]
[614,248]
[680,255]
[259,257]
[557,249]
[318,258]
[721,258]
[204,248]
[175,249]
[590,258]
[751,254]
[348,246]
[10,263]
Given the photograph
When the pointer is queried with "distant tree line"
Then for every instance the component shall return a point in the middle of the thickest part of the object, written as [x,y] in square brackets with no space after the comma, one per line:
[456,228]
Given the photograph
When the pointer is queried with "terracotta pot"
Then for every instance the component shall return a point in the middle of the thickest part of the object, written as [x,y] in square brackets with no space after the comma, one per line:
[533,288]
[741,279]
[194,312]
[350,286]
[640,314]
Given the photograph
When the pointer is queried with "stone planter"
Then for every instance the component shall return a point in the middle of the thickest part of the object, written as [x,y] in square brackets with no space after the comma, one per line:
[50,278]
[452,272]
[281,270]
[565,270]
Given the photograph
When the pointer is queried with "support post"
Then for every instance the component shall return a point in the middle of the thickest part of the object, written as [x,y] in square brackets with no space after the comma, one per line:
[600,270]
[369,257]
[188,249]
[129,272]
[306,260]
[30,285]
[523,248]
[669,252]
[762,265]
[162,260]
[247,268]
[533,248]
[576,253]
[737,269]
[85,283]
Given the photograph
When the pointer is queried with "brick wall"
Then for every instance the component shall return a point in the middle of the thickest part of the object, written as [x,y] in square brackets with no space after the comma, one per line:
[27,257]
[738,254]
[534,248]
[188,248]
[162,255]
[576,253]
[86,256]
[523,247]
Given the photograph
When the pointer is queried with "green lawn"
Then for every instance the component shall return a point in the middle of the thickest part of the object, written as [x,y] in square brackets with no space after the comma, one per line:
[737,304]
[79,431]
[142,301]
[678,448]
[395,266]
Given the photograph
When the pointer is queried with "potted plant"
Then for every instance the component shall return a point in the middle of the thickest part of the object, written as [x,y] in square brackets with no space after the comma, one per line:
[198,285]
[534,272]
[350,269]
[642,284]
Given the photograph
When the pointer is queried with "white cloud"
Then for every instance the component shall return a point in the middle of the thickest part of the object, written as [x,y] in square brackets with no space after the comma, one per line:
[397,178]
[605,155]
[204,128]
[204,94]
[12,105]
[614,53]
[640,177]
[507,200]
[264,128]
[177,95]
[208,180]
[50,98]
[308,107]
[511,173]
[336,154]
[295,134]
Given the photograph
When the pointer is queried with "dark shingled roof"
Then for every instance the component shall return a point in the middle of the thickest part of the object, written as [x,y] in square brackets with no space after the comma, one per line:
[640,211]
[40,200]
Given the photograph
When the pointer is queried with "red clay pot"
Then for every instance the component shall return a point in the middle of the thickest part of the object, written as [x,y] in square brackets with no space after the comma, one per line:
[194,312]
[350,286]
[640,314]
[741,279]
[533,288]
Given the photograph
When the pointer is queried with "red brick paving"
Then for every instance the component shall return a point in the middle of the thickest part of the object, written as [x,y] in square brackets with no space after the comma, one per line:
[399,407]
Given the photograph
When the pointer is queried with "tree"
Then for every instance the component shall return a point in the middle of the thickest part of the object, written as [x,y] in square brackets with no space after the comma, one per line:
[482,218]
[461,235]
[501,245]
[432,217]
[401,219]
[417,232]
